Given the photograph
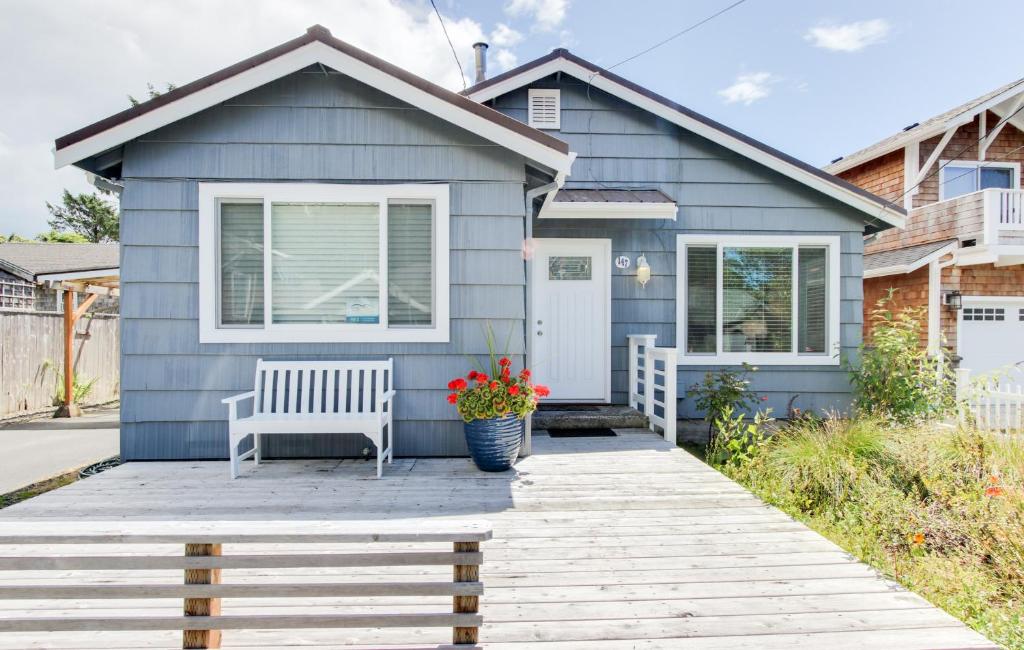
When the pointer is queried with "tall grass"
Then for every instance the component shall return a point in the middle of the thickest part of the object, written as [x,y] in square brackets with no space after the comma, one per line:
[938,508]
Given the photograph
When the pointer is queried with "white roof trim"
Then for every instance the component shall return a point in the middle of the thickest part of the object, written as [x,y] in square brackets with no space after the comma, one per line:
[565,66]
[293,61]
[914,135]
[79,275]
[901,269]
[607,210]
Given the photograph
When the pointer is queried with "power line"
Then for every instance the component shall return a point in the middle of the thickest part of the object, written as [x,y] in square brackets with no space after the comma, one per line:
[445,30]
[678,34]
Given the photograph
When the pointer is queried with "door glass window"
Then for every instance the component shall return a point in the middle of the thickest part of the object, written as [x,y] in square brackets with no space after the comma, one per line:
[561,267]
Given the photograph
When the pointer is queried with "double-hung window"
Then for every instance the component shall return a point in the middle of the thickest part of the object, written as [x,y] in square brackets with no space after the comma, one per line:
[959,177]
[288,262]
[764,300]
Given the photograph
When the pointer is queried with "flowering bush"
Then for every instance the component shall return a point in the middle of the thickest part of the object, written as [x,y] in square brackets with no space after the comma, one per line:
[480,396]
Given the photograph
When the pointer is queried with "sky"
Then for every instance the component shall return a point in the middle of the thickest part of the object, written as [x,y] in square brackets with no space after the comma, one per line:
[814,78]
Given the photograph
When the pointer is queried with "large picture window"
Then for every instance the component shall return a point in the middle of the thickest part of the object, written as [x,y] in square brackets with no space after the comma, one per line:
[758,299]
[308,262]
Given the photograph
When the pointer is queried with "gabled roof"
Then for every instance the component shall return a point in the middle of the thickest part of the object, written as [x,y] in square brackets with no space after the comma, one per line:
[563,61]
[315,46]
[906,260]
[28,261]
[960,115]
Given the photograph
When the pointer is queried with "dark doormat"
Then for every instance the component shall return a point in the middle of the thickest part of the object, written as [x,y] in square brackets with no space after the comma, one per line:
[581,433]
[568,407]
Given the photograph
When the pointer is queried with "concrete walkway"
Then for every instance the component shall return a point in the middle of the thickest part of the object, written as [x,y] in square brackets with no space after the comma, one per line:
[40,449]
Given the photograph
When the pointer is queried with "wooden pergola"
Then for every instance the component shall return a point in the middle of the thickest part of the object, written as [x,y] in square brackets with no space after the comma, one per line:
[92,284]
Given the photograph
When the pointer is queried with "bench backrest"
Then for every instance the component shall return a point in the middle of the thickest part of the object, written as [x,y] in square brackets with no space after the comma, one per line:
[203,564]
[322,387]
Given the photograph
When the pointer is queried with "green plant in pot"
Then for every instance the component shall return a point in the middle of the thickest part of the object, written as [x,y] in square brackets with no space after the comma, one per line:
[494,404]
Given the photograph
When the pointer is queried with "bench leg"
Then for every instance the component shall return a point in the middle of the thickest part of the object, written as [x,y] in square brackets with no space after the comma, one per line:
[258,456]
[233,451]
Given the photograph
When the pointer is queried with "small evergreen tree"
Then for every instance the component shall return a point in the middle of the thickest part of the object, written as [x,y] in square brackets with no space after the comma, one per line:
[89,215]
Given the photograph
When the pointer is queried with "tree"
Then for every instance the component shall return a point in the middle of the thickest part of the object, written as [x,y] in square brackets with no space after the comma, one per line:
[152,92]
[89,215]
[13,239]
[54,237]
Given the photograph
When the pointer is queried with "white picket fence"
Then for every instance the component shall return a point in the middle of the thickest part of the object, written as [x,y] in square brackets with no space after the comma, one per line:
[989,405]
[652,383]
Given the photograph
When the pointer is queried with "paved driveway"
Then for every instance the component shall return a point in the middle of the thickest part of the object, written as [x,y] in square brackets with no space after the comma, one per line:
[41,449]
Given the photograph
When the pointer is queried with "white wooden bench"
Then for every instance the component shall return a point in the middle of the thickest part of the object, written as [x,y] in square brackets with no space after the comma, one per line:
[77,576]
[315,397]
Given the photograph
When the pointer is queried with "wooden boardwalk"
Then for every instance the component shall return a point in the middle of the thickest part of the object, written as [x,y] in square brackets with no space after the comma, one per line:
[621,542]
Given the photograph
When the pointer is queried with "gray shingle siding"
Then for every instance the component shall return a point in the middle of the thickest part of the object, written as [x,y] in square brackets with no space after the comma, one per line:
[304,127]
[717,191]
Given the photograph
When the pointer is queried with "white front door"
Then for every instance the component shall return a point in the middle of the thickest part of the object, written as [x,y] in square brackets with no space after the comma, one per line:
[991,333]
[570,320]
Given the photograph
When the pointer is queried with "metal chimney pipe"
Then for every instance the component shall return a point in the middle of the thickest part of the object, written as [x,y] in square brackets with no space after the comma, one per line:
[480,54]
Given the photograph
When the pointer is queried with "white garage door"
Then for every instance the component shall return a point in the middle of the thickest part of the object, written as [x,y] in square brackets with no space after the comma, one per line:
[992,337]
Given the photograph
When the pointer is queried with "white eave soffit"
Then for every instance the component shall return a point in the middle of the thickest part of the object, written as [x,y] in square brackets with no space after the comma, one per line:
[294,61]
[607,210]
[873,209]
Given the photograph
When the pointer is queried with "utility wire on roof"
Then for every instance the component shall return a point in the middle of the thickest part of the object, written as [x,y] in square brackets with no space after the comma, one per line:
[677,34]
[445,30]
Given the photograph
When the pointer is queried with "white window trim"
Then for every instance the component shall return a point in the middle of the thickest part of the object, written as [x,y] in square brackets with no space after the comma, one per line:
[944,166]
[211,193]
[830,358]
[544,92]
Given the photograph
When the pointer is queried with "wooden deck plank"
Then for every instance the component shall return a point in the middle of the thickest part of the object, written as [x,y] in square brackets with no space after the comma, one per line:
[598,543]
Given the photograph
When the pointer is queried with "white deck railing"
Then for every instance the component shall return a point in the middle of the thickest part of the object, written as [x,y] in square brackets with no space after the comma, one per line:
[653,373]
[1003,212]
[989,405]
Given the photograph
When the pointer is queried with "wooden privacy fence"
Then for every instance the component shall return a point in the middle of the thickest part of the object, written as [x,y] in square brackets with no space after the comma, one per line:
[31,349]
[653,374]
[989,404]
[203,563]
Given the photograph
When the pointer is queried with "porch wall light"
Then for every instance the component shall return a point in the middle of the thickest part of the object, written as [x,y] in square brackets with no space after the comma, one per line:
[643,271]
[953,300]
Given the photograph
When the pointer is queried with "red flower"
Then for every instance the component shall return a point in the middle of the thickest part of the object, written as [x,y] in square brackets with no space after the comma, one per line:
[457,384]
[541,390]
[994,491]
[513,389]
[481,378]
[504,362]
[472,375]
[452,398]
[494,385]
[525,374]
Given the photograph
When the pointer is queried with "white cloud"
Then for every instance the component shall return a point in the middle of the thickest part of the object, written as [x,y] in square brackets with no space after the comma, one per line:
[546,14]
[506,59]
[505,36]
[850,37]
[72,63]
[748,88]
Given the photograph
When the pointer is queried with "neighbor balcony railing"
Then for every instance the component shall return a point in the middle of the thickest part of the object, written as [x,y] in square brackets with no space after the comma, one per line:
[1004,216]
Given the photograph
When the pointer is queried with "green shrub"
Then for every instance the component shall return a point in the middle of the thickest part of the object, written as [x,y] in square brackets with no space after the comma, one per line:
[723,391]
[896,378]
[737,440]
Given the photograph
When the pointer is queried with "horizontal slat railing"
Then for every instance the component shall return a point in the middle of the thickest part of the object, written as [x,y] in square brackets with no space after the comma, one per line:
[638,344]
[203,564]
[661,369]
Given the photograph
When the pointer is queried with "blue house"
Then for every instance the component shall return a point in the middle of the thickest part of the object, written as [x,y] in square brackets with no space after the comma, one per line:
[317,202]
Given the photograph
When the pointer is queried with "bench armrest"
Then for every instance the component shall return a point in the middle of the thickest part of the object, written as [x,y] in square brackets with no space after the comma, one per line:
[238,398]
[233,401]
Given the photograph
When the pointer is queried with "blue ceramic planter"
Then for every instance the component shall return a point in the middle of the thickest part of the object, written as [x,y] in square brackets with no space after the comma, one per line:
[494,444]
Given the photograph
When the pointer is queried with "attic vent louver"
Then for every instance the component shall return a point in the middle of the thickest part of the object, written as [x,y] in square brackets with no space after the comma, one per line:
[545,108]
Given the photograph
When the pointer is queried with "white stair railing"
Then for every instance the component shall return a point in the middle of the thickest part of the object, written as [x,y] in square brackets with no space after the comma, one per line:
[989,405]
[638,344]
[662,365]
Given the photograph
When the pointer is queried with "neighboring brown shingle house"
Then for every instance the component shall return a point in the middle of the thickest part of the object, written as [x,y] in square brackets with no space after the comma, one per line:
[959,174]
